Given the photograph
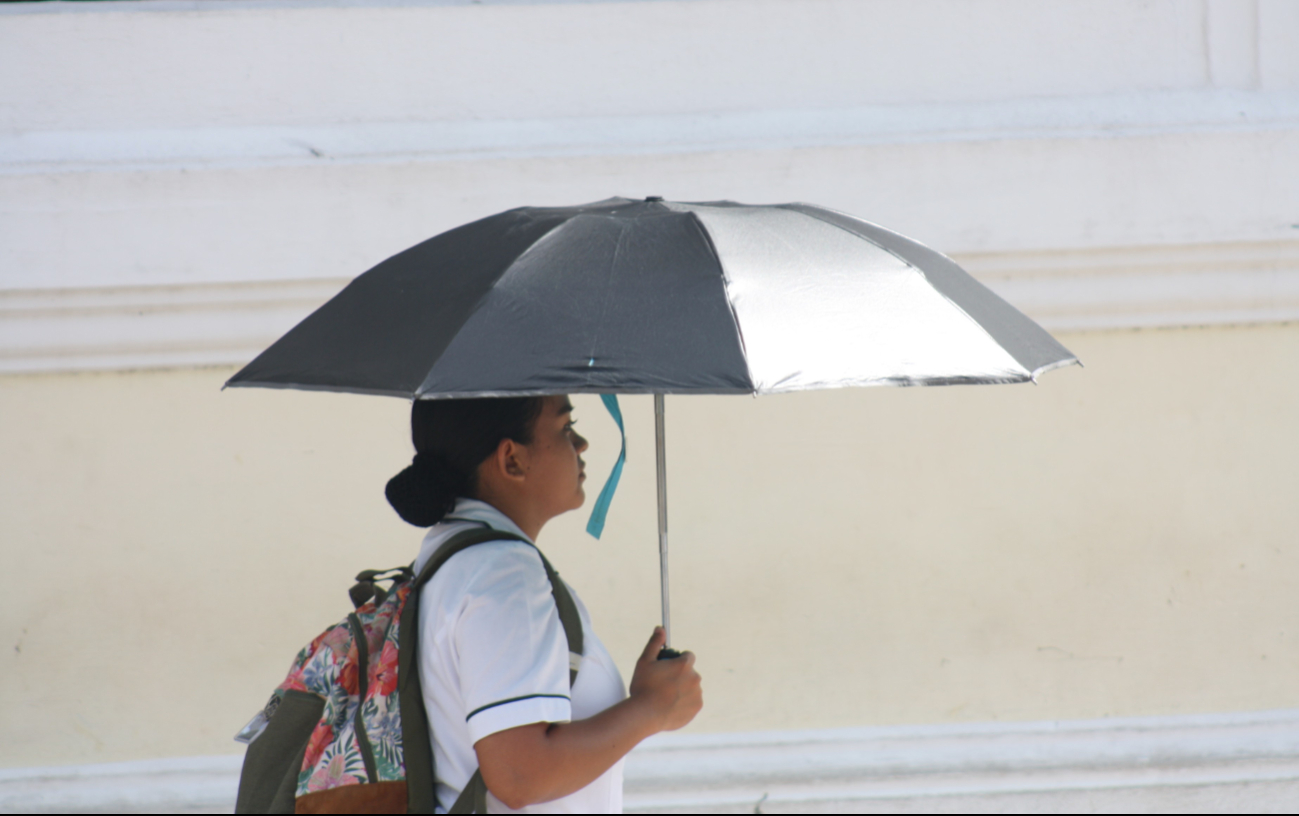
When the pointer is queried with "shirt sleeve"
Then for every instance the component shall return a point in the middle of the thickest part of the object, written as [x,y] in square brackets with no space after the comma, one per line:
[511,648]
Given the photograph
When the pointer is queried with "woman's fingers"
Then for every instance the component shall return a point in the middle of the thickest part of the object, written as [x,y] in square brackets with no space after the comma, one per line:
[688,696]
[671,688]
[656,641]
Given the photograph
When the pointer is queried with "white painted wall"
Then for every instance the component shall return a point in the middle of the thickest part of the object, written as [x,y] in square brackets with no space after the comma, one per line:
[278,63]
[181,181]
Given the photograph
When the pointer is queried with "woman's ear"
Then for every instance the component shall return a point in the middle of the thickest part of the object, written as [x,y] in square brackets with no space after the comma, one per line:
[511,460]
[503,472]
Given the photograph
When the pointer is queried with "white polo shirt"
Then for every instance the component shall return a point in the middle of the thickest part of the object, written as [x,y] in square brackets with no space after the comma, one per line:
[493,656]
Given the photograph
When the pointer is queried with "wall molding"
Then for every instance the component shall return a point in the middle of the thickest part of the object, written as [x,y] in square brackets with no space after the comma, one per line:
[1107,116]
[1148,287]
[182,785]
[229,324]
[918,766]
[171,6]
[134,327]
[973,766]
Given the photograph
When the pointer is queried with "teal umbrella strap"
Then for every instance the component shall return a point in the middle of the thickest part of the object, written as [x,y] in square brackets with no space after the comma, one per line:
[595,526]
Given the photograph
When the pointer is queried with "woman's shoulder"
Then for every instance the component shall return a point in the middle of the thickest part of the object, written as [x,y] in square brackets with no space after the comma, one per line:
[504,564]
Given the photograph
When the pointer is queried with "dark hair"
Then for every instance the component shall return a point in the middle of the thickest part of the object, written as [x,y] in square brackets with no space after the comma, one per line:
[452,438]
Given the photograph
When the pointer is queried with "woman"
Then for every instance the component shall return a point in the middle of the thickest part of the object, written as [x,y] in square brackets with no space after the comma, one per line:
[493,658]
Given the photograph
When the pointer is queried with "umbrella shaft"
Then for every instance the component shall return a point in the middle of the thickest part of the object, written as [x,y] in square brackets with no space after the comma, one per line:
[663,513]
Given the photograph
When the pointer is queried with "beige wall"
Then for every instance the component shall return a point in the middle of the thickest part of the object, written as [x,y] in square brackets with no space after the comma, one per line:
[1120,539]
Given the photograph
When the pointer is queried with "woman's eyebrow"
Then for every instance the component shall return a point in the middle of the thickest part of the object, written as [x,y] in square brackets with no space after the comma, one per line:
[566,408]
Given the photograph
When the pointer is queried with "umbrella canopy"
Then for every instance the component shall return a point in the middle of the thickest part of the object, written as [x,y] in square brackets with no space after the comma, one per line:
[634,297]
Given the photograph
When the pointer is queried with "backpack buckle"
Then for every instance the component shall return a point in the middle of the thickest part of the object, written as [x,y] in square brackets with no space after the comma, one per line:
[365,588]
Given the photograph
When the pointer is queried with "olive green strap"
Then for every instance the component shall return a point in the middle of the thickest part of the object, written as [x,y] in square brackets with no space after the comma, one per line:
[420,775]
[421,784]
[363,683]
[568,618]
[473,799]
[417,753]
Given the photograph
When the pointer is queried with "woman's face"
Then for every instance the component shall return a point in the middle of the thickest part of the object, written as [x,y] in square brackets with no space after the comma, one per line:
[555,466]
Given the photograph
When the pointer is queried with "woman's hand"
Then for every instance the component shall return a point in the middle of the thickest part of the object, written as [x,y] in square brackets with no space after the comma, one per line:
[669,689]
[544,761]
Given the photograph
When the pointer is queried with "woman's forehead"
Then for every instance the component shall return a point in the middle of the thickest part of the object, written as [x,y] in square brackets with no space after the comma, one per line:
[558,405]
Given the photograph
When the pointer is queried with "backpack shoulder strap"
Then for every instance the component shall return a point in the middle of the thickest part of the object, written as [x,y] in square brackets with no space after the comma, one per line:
[420,783]
[460,541]
[568,616]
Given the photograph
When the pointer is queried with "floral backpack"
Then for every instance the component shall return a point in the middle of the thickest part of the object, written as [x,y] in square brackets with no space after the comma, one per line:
[346,732]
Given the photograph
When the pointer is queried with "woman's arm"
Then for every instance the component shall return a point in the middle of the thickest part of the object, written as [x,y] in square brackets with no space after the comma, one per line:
[544,761]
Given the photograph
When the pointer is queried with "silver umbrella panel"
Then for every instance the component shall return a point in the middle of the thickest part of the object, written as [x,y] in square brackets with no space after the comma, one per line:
[657,297]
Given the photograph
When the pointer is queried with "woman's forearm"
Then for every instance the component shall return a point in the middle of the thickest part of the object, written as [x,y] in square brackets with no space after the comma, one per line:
[545,761]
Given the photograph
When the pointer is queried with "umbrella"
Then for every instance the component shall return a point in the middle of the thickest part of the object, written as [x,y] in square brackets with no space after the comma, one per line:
[655,297]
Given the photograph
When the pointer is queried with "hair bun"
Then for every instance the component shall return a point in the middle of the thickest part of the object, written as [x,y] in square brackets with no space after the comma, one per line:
[452,438]
[425,492]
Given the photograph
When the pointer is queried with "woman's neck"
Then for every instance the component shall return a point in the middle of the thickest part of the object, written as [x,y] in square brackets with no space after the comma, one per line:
[516,510]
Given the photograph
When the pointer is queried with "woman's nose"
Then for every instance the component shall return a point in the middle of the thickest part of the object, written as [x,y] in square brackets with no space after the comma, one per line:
[580,442]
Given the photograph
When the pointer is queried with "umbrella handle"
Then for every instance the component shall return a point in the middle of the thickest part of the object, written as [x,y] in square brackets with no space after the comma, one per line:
[662,472]
[666,653]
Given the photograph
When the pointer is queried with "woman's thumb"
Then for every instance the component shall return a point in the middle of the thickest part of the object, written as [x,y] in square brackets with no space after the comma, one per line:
[655,644]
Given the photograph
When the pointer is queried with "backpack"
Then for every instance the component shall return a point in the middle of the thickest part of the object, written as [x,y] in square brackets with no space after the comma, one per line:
[346,732]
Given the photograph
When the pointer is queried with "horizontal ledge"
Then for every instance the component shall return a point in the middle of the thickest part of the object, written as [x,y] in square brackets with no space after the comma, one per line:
[1167,741]
[927,763]
[929,795]
[171,6]
[922,764]
[1110,116]
[140,327]
[86,301]
[229,324]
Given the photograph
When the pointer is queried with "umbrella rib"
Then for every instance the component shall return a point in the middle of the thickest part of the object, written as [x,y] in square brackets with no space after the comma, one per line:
[604,304]
[911,265]
[420,393]
[726,288]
